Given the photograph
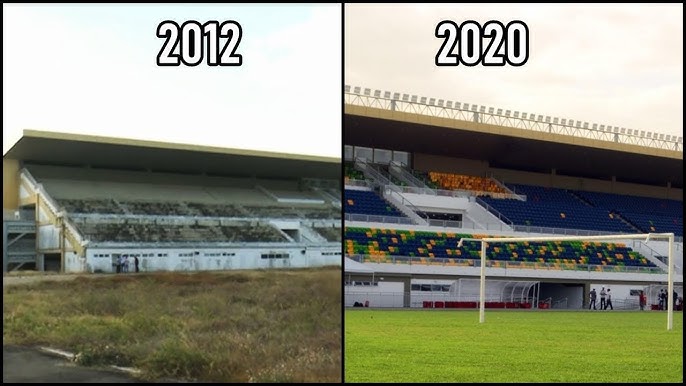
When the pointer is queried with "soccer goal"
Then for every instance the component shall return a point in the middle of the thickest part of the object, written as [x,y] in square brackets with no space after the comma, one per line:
[647,236]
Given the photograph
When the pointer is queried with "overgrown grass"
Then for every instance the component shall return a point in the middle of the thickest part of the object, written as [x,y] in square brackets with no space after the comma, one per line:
[248,326]
[512,346]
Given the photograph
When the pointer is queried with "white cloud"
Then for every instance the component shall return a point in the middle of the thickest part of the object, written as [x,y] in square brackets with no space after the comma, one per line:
[617,65]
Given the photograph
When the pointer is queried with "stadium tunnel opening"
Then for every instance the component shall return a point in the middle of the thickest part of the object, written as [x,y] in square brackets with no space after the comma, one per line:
[52,262]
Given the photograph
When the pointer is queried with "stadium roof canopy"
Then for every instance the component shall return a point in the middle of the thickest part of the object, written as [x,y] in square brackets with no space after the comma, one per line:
[51,148]
[515,149]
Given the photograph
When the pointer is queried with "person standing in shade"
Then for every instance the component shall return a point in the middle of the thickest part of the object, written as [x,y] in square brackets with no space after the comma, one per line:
[674,299]
[135,260]
[609,300]
[603,294]
[661,300]
[593,298]
[642,300]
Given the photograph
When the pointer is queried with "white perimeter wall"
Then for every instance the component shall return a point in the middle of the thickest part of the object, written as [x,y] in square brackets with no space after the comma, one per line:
[243,258]
[386,294]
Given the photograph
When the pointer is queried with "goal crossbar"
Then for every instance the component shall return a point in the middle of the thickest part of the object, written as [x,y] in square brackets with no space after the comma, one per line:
[647,236]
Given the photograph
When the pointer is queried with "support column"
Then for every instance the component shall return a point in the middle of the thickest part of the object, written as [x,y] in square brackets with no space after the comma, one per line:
[587,292]
[5,252]
[407,288]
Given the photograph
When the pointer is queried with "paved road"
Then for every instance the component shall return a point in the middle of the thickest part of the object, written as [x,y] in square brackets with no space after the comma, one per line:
[27,365]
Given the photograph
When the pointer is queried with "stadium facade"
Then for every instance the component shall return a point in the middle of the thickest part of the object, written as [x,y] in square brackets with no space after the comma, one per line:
[422,173]
[78,203]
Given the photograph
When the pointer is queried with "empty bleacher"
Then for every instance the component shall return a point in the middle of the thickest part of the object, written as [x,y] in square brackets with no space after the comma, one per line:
[543,209]
[369,203]
[130,206]
[424,177]
[381,244]
[155,208]
[295,212]
[214,210]
[329,233]
[476,184]
[646,213]
[136,231]
[556,208]
[107,206]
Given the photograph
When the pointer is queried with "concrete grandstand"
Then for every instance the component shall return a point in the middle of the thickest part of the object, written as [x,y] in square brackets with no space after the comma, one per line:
[77,203]
[422,173]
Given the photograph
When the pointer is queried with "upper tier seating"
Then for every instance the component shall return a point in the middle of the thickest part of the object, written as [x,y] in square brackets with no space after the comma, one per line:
[450,181]
[646,213]
[556,208]
[352,174]
[369,203]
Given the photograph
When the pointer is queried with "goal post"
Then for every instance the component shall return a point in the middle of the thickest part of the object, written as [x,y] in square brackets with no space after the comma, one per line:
[647,236]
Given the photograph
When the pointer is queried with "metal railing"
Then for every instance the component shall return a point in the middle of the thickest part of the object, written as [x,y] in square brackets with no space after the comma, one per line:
[454,193]
[448,223]
[359,183]
[454,262]
[189,219]
[559,231]
[375,218]
[494,212]
[436,107]
[411,210]
[402,173]
[560,304]
[387,185]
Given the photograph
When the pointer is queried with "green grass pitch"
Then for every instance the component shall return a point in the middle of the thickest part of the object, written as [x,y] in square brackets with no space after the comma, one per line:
[512,346]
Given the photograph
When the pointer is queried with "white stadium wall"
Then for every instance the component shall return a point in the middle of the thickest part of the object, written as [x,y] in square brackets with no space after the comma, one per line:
[384,294]
[426,201]
[202,259]
[48,237]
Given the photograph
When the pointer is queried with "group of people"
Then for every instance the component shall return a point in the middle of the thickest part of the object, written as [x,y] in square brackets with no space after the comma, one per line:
[605,299]
[123,264]
[663,299]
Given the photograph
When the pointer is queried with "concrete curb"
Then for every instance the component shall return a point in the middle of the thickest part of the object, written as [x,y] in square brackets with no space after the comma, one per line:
[72,357]
[56,352]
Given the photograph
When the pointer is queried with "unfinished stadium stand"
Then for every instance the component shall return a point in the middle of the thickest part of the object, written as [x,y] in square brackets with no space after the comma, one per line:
[204,212]
[174,196]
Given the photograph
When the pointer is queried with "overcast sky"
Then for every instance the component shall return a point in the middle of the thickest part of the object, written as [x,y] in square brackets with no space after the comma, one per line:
[618,65]
[91,69]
